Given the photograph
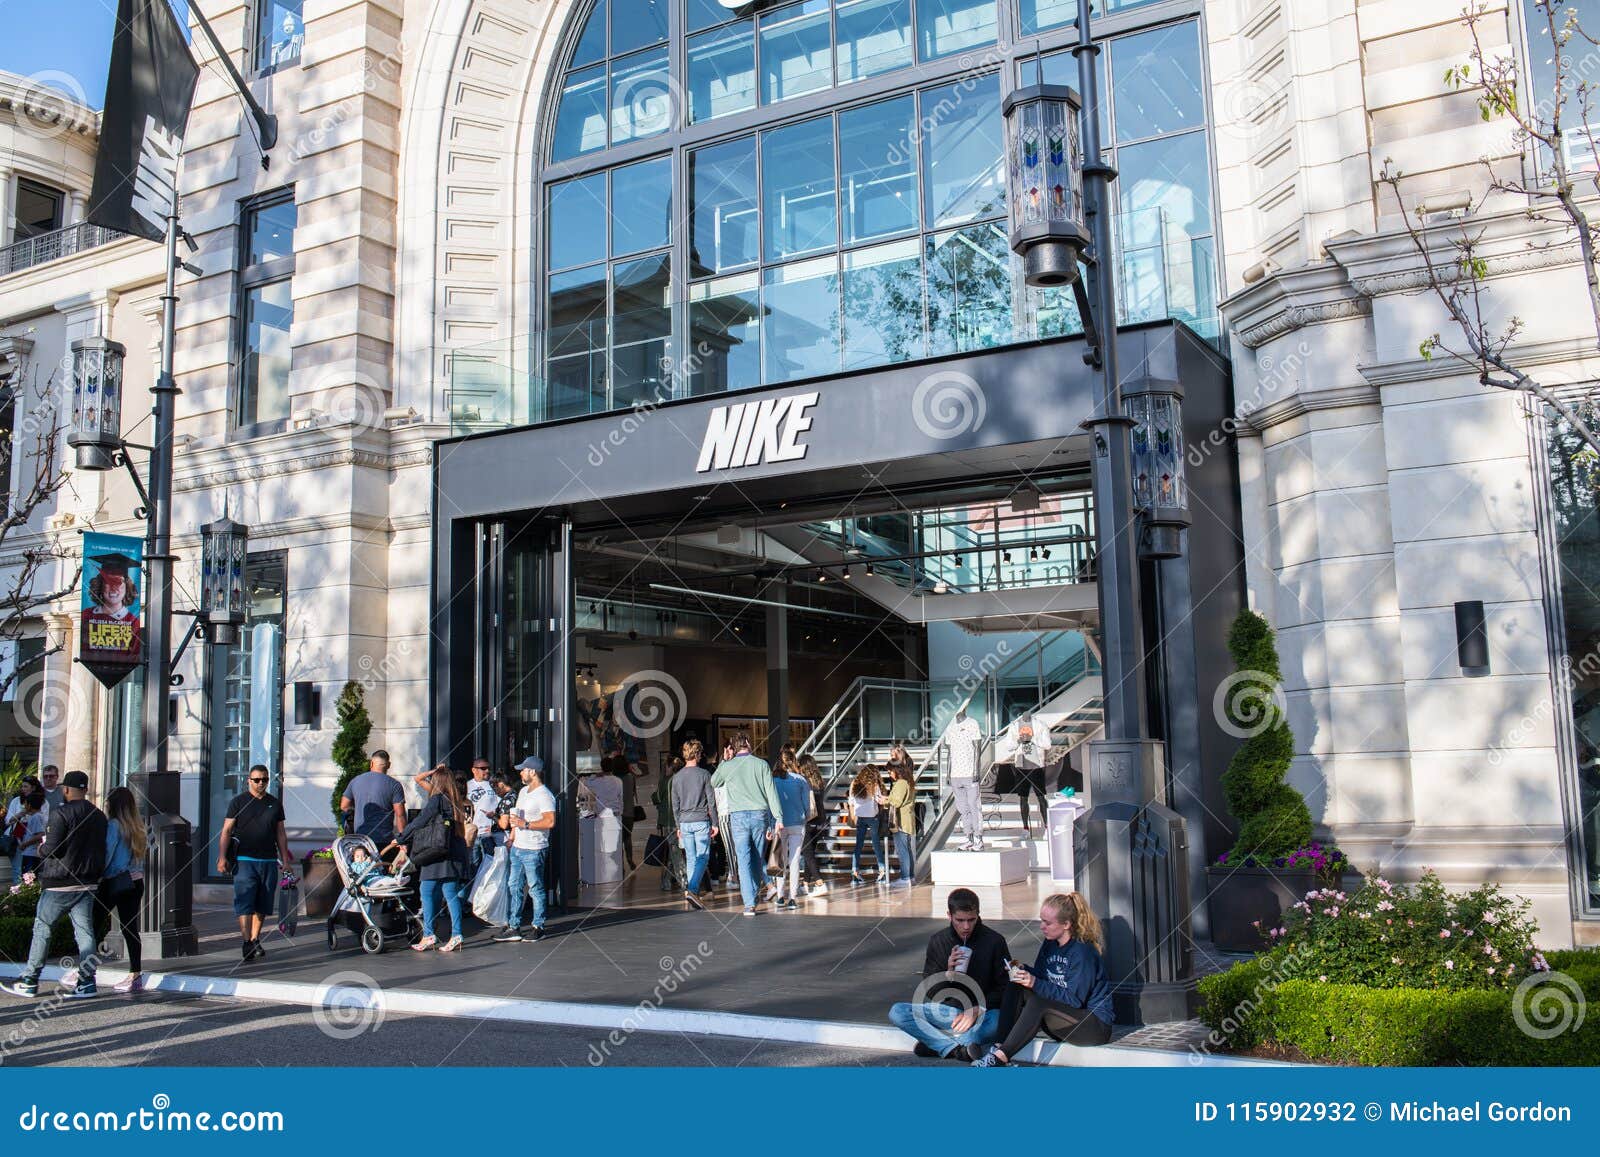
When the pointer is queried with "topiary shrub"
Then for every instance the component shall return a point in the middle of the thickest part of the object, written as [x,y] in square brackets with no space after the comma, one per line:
[350,744]
[1273,818]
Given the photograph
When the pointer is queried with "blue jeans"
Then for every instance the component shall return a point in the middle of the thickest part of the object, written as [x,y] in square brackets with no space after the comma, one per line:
[907,852]
[53,904]
[749,831]
[430,904]
[696,850]
[526,877]
[482,849]
[868,826]
[931,1024]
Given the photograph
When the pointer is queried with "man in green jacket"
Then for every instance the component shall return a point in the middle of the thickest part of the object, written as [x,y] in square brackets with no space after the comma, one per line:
[754,813]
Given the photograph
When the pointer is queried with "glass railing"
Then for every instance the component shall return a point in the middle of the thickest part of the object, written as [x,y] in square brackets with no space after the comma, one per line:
[609,349]
[54,245]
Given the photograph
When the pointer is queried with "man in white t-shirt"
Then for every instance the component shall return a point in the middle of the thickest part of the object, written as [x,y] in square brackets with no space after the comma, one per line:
[529,823]
[964,737]
[484,801]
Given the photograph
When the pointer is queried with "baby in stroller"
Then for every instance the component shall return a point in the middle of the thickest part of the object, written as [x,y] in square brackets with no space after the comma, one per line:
[377,904]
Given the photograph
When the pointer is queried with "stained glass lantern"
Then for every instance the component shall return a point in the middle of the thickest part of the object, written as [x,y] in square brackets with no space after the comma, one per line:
[1160,492]
[1044,186]
[223,548]
[96,429]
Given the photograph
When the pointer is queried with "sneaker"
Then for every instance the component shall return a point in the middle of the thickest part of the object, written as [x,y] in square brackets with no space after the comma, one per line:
[820,888]
[20,987]
[83,992]
[750,911]
[857,881]
[990,1059]
[69,978]
[923,1050]
[791,905]
[535,933]
[131,984]
[508,936]
[694,902]
[252,950]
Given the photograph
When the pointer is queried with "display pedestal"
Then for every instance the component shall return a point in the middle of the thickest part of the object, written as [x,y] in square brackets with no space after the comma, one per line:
[600,859]
[988,868]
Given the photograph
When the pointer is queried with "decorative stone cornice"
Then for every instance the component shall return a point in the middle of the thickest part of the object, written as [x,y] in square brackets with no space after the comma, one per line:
[1288,301]
[14,350]
[1570,353]
[1306,401]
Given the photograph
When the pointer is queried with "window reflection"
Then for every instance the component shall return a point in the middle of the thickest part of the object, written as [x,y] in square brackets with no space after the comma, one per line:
[962,144]
[576,343]
[581,118]
[945,27]
[800,323]
[577,223]
[722,207]
[641,206]
[1157,81]
[592,44]
[725,335]
[798,188]
[874,36]
[722,71]
[637,24]
[883,304]
[280,34]
[970,278]
[796,54]
[642,102]
[878,169]
[641,331]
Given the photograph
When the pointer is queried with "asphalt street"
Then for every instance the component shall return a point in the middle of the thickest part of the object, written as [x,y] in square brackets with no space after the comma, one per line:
[159,1029]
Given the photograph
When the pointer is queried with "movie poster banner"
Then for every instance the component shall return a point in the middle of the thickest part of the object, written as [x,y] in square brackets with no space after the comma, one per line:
[110,642]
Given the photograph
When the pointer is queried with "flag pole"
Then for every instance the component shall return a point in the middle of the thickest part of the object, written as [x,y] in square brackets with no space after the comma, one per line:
[167,922]
[266,123]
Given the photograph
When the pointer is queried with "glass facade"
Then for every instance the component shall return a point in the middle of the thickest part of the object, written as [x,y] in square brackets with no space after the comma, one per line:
[1574,498]
[862,232]
[1577,138]
[266,314]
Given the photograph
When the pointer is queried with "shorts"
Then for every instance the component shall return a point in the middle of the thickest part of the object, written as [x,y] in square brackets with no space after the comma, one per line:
[255,887]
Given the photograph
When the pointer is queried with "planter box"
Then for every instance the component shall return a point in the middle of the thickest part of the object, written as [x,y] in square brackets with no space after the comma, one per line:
[319,888]
[1239,896]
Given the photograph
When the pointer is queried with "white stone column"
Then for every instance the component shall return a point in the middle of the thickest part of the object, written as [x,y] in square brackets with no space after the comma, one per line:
[53,713]
[7,226]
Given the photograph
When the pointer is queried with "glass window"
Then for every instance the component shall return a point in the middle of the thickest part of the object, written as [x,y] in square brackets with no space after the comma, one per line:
[722,71]
[578,222]
[1037,15]
[1577,140]
[641,206]
[797,189]
[581,117]
[268,315]
[1575,511]
[38,210]
[271,232]
[1164,186]
[266,309]
[945,27]
[962,146]
[800,326]
[722,207]
[874,36]
[796,51]
[725,335]
[705,13]
[1062,68]
[576,343]
[637,24]
[591,47]
[641,331]
[641,96]
[244,697]
[883,304]
[969,289]
[280,34]
[1157,82]
[878,169]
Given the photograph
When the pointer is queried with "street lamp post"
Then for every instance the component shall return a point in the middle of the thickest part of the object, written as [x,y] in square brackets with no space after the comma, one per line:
[1132,848]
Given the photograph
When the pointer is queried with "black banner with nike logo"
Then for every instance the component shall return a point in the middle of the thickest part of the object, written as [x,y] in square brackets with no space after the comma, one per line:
[148,94]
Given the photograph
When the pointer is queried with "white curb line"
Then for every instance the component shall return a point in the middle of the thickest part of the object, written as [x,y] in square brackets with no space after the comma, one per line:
[625,1018]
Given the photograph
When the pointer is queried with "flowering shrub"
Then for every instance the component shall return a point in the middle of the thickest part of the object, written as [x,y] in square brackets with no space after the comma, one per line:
[1329,863]
[321,853]
[21,899]
[1389,936]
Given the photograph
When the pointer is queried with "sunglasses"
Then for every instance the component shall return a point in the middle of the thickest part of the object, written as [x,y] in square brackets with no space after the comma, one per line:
[257,779]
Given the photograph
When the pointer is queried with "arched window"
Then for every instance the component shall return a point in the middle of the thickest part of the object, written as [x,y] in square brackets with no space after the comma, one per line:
[735,198]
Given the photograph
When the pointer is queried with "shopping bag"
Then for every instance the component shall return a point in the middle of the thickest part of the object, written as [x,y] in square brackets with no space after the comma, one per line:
[489,890]
[288,905]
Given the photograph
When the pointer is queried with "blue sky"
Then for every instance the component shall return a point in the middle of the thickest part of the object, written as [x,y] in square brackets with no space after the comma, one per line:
[66,43]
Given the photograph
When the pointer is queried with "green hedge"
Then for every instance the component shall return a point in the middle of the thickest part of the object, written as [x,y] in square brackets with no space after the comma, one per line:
[16,937]
[1355,1024]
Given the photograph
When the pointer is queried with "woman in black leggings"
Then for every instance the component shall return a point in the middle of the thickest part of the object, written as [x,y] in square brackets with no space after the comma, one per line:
[816,826]
[1028,762]
[1065,992]
[122,886]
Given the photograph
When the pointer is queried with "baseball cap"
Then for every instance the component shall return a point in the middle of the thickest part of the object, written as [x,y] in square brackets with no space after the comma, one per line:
[75,779]
[532,763]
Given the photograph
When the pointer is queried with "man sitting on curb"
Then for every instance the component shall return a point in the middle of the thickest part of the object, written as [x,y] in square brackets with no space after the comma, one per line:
[961,1008]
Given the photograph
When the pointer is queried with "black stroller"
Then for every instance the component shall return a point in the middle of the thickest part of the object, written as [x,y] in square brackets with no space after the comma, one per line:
[379,908]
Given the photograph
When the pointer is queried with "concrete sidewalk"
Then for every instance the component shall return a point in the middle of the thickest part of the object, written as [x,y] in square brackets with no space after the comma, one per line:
[775,976]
